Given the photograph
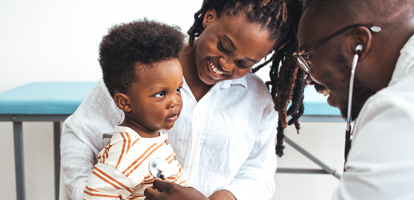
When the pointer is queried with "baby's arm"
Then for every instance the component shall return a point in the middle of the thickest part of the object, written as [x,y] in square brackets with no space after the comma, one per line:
[82,137]
[107,183]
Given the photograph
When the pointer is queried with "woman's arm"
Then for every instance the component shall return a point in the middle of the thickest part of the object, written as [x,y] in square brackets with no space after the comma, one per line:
[83,137]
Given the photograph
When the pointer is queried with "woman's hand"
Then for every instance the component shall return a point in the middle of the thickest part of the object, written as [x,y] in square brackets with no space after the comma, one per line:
[222,195]
[164,190]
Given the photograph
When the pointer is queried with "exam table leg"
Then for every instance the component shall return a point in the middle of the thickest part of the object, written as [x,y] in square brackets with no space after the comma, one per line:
[18,156]
[56,136]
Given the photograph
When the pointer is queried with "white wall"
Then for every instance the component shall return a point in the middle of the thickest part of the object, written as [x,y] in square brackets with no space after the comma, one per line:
[48,40]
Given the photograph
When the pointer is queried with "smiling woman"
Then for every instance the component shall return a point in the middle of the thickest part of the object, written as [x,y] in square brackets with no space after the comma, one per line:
[222,53]
[281,22]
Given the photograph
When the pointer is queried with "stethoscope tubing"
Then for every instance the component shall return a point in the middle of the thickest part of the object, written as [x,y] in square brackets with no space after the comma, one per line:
[348,135]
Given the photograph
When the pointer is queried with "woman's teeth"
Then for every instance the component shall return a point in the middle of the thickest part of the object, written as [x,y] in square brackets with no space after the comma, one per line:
[214,68]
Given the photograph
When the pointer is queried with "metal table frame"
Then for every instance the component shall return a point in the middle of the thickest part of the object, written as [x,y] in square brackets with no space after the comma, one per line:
[325,169]
[18,147]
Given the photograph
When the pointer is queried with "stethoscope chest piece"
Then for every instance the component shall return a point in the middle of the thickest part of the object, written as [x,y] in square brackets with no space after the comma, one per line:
[157,167]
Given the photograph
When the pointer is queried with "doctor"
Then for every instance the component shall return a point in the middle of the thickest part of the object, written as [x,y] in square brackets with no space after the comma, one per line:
[378,36]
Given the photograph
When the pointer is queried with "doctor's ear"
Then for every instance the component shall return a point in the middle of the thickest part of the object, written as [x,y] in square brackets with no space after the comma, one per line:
[363,39]
[122,101]
[209,17]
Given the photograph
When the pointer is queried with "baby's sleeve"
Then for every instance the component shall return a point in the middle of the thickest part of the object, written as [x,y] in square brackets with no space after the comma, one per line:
[107,183]
[182,176]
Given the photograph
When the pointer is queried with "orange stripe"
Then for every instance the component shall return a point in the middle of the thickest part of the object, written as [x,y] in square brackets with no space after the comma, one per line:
[136,197]
[144,159]
[169,156]
[138,158]
[103,179]
[91,189]
[183,183]
[123,150]
[135,142]
[151,180]
[107,152]
[169,162]
[112,179]
[102,195]
[129,142]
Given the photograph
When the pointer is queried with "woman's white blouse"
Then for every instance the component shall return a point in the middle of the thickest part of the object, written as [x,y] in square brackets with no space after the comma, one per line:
[226,140]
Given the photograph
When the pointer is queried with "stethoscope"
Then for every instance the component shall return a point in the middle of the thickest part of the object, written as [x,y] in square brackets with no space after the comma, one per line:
[158,167]
[348,135]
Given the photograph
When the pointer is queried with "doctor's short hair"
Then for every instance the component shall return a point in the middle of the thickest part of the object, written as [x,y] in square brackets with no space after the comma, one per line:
[138,43]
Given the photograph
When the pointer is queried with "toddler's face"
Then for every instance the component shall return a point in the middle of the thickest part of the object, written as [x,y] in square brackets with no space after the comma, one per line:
[156,98]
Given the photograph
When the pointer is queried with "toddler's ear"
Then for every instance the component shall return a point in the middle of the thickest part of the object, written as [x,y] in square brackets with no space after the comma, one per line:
[122,101]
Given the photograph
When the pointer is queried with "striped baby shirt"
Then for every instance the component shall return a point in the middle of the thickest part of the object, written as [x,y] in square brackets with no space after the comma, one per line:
[123,172]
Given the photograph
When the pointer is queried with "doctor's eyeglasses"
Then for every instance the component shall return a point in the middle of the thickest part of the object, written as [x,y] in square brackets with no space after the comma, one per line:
[301,58]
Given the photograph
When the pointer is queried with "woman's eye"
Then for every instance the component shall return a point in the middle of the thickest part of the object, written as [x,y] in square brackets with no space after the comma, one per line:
[242,65]
[221,47]
[178,90]
[160,94]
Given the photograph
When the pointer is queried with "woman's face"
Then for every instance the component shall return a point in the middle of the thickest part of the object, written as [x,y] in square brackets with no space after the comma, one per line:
[229,46]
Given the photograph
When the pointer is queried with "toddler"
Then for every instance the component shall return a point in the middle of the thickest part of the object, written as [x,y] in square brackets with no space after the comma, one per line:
[141,70]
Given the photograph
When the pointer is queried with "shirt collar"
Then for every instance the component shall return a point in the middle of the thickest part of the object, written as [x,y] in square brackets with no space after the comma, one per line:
[224,84]
[405,63]
[227,83]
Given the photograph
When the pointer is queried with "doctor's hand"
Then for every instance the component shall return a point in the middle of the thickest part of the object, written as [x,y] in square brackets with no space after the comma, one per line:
[164,190]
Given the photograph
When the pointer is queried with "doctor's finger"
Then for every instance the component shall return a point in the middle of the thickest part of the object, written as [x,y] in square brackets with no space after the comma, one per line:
[163,186]
[152,194]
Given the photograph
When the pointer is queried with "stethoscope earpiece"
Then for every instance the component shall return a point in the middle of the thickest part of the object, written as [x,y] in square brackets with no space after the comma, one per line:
[359,48]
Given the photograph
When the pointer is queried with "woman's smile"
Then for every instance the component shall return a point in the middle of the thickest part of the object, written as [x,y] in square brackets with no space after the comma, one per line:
[216,71]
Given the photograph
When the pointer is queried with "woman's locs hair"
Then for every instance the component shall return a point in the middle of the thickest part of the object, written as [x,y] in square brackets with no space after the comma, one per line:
[280,18]
[287,80]
[263,12]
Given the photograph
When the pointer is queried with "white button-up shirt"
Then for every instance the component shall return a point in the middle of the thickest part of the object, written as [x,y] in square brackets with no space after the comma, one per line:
[226,140]
[381,161]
